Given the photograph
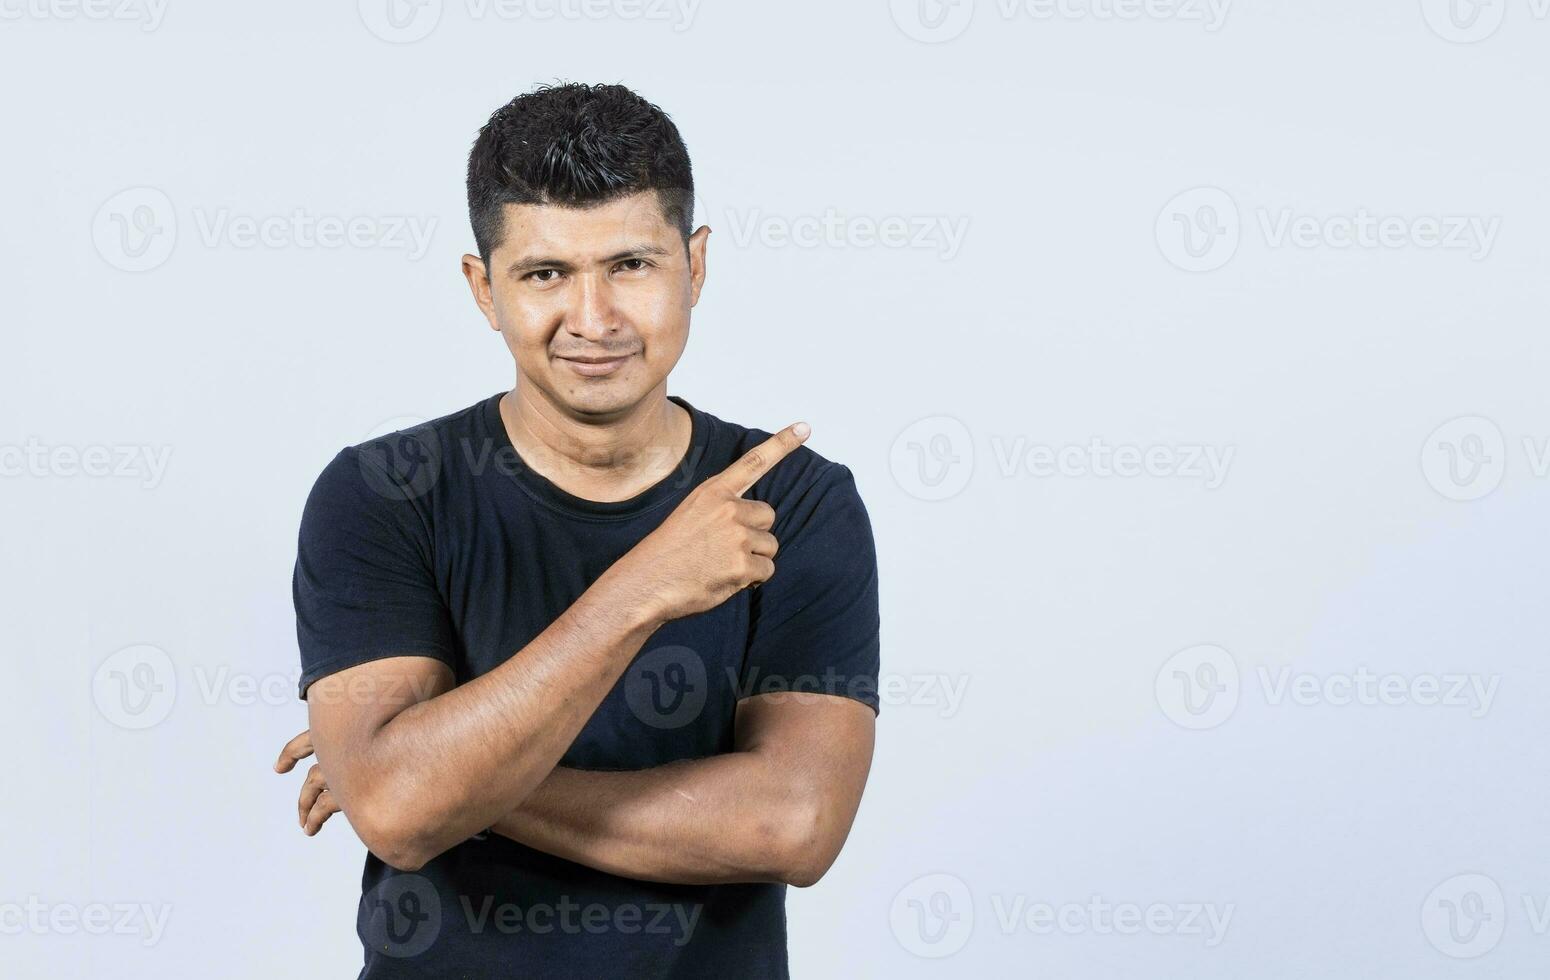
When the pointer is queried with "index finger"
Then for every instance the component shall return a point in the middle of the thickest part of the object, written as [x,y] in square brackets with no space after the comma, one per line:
[762,458]
[295,750]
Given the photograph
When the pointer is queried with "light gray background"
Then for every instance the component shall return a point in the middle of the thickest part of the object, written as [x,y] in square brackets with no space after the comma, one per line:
[1089,750]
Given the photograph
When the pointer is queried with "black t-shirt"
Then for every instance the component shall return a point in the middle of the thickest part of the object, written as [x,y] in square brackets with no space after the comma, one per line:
[440,541]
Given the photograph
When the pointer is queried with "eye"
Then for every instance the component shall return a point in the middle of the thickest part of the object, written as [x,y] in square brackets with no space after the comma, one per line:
[543,276]
[633,265]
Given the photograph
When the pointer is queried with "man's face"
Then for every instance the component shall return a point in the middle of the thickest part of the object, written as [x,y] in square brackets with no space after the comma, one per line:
[594,303]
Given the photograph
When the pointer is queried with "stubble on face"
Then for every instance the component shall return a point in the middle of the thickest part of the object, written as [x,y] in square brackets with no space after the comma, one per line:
[578,284]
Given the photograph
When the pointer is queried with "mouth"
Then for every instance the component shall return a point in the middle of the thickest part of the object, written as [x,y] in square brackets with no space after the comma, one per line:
[594,366]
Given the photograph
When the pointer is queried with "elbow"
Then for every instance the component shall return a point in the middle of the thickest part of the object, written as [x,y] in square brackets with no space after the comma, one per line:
[804,875]
[805,846]
[402,862]
[403,857]
[402,844]
[407,826]
[401,849]
[807,869]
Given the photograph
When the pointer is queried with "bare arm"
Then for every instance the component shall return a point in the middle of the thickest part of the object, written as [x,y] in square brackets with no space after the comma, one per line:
[777,808]
[418,765]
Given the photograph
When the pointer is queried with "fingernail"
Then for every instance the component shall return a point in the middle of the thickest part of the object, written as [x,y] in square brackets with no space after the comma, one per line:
[801,429]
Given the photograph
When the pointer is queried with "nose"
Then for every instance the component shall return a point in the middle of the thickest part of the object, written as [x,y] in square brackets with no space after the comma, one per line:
[591,314]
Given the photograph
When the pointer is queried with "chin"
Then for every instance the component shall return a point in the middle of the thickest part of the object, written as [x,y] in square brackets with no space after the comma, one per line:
[601,399]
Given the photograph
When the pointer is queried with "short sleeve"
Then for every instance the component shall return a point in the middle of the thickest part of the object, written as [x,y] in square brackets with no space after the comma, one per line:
[364,588]
[813,626]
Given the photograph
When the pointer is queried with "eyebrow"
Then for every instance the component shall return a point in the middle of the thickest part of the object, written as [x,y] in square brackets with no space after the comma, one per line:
[531,263]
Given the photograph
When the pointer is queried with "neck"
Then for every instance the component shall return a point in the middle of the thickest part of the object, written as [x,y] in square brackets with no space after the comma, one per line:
[608,460]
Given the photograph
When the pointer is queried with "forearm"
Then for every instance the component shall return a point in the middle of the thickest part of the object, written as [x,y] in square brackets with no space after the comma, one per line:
[728,818]
[448,767]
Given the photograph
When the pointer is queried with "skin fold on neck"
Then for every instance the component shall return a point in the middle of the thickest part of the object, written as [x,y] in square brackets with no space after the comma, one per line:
[600,461]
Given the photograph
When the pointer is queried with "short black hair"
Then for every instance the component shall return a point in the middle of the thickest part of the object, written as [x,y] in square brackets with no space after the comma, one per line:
[576,145]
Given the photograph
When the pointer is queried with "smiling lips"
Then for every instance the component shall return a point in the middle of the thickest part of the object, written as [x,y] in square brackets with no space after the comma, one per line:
[596,366]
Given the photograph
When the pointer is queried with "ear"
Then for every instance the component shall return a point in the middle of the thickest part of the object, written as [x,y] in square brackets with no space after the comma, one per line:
[697,262]
[479,284]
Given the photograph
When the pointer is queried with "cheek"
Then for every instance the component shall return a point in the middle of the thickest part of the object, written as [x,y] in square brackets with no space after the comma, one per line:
[662,320]
[524,325]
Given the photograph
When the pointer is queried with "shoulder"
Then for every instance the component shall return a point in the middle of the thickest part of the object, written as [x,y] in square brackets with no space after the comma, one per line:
[376,497]
[403,465]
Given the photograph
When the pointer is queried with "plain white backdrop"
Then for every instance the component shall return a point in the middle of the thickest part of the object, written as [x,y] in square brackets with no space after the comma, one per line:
[1190,358]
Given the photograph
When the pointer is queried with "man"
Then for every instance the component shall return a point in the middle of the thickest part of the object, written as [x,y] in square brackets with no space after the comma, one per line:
[552,644]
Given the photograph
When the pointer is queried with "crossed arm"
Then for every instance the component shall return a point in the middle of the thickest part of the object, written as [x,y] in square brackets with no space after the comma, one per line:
[419,765]
[776,808]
